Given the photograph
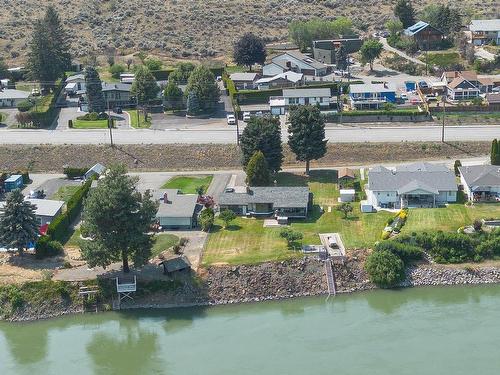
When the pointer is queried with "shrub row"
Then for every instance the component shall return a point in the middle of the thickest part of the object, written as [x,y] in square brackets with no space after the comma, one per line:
[93,116]
[47,117]
[59,227]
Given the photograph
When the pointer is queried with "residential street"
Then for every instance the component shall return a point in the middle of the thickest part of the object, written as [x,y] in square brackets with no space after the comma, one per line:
[226,135]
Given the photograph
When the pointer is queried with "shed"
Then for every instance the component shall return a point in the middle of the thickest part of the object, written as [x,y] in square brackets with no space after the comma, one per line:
[13,182]
[347,195]
[177,264]
[345,175]
[366,207]
[97,169]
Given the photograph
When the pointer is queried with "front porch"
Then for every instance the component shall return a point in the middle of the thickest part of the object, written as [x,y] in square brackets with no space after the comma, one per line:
[417,201]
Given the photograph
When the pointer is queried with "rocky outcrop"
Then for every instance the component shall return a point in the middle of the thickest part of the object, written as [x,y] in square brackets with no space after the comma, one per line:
[433,275]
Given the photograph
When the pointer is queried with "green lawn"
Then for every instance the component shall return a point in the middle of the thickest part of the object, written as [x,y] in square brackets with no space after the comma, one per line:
[3,116]
[442,59]
[65,193]
[141,122]
[87,124]
[188,184]
[163,242]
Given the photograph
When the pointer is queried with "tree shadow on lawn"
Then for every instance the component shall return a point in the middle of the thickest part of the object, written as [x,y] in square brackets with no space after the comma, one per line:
[318,175]
[233,227]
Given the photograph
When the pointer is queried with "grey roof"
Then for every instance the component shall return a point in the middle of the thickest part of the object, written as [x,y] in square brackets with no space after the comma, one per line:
[289,76]
[249,77]
[43,207]
[418,176]
[306,59]
[416,28]
[97,169]
[306,93]
[369,87]
[116,86]
[76,77]
[481,175]
[179,205]
[279,196]
[13,94]
[485,25]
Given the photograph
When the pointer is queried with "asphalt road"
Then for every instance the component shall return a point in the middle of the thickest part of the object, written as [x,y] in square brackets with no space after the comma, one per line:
[226,134]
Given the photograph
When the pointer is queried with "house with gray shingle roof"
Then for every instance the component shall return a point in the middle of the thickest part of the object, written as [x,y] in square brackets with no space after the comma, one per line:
[177,210]
[294,61]
[291,202]
[413,185]
[480,182]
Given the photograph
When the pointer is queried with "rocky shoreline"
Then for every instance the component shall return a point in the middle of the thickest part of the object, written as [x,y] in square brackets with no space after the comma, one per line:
[305,277]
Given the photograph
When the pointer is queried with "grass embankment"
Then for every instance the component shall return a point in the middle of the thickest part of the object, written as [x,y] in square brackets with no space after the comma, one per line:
[139,122]
[246,241]
[88,124]
[188,184]
[65,193]
[442,59]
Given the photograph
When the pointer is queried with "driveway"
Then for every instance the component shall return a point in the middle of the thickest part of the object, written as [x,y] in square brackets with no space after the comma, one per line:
[49,183]
[387,47]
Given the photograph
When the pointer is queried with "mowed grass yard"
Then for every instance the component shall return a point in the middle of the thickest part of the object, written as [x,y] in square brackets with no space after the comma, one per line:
[246,241]
[88,124]
[65,193]
[188,184]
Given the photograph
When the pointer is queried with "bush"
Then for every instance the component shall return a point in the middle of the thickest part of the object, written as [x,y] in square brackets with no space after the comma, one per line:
[206,219]
[45,247]
[116,70]
[452,248]
[70,124]
[406,252]
[24,106]
[385,269]
[72,172]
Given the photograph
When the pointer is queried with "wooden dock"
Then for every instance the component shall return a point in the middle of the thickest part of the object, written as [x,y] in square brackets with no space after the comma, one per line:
[330,277]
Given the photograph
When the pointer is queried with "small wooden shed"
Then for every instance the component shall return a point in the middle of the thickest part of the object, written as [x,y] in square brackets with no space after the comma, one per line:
[176,264]
[345,175]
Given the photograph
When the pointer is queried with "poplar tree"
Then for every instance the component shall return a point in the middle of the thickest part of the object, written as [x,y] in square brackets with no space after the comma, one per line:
[18,223]
[49,55]
[495,152]
[93,86]
[307,133]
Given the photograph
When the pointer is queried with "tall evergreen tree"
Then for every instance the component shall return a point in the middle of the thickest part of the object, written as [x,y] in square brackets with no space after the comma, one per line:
[249,50]
[49,55]
[495,152]
[193,104]
[173,95]
[144,86]
[341,58]
[263,134]
[257,170]
[93,86]
[307,133]
[118,219]
[18,224]
[405,12]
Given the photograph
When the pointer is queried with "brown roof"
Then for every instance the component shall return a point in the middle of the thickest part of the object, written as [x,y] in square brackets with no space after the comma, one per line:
[456,81]
[487,81]
[493,98]
[346,172]
[469,75]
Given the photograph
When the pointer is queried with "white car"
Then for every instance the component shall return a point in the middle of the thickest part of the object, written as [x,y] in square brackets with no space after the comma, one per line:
[404,96]
[231,120]
[246,116]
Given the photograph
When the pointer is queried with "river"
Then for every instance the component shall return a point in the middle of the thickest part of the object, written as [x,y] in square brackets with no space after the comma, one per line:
[453,330]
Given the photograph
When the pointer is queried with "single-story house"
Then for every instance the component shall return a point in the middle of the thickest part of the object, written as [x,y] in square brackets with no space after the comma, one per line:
[117,94]
[414,185]
[301,96]
[485,31]
[286,79]
[244,81]
[175,264]
[12,97]
[294,61]
[344,176]
[289,202]
[425,35]
[325,51]
[127,78]
[493,99]
[13,182]
[97,169]
[370,96]
[480,182]
[46,210]
[177,210]
[75,84]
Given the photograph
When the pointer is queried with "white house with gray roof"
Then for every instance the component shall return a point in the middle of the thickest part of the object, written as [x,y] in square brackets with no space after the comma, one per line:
[300,96]
[12,97]
[177,210]
[480,182]
[412,185]
[244,81]
[290,202]
[294,61]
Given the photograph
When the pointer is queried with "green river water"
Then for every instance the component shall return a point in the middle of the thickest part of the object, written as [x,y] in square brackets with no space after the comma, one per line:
[453,330]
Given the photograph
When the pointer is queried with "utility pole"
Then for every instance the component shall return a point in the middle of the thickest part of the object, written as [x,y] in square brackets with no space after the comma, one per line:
[444,115]
[237,130]
[110,124]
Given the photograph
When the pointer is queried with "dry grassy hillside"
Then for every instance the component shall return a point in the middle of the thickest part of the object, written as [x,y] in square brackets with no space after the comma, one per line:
[185,28]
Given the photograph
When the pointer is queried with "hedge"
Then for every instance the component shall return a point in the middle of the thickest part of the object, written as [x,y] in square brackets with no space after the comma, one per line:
[25,106]
[72,172]
[58,229]
[162,75]
[46,118]
[45,247]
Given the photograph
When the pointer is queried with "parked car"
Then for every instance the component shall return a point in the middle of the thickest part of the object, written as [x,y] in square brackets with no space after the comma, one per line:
[385,34]
[404,96]
[497,198]
[35,92]
[118,110]
[231,120]
[218,78]
[423,85]
[246,116]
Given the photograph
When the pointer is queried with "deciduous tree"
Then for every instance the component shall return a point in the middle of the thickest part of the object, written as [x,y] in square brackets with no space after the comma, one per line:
[345,208]
[249,50]
[307,134]
[202,82]
[385,269]
[173,95]
[370,50]
[18,224]
[263,134]
[118,218]
[290,236]
[257,170]
[144,87]
[227,216]
[181,73]
[206,219]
